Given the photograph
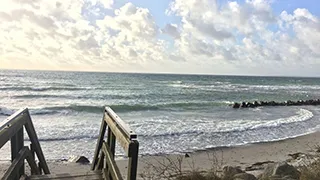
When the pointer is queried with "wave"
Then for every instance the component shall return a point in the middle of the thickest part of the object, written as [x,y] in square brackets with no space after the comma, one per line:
[230,126]
[49,88]
[117,108]
[5,111]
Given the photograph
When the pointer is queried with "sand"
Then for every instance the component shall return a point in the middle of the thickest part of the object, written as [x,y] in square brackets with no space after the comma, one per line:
[242,156]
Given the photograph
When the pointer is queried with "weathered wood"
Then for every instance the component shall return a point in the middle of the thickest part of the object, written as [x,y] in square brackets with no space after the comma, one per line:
[11,173]
[32,163]
[103,127]
[8,121]
[100,164]
[122,125]
[35,141]
[15,130]
[119,131]
[91,175]
[121,137]
[9,130]
[16,146]
[112,166]
[111,142]
[133,160]
[33,157]
[14,154]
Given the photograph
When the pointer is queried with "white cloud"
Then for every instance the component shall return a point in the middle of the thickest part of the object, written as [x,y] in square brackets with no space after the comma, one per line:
[211,37]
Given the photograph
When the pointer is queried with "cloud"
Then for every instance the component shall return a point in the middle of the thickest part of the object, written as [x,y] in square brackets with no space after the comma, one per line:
[239,34]
[171,30]
[223,38]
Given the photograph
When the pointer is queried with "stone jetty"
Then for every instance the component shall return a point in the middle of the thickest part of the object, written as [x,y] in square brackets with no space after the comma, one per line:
[313,102]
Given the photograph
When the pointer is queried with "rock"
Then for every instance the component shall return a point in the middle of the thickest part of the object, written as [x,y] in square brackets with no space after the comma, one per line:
[258,166]
[280,170]
[186,155]
[244,105]
[244,176]
[236,105]
[230,171]
[296,155]
[80,160]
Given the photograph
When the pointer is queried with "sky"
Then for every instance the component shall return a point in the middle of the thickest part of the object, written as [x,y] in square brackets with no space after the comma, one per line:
[243,37]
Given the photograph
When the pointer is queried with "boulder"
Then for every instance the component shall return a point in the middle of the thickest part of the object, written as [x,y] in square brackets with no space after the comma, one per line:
[80,160]
[236,105]
[244,176]
[279,171]
[230,171]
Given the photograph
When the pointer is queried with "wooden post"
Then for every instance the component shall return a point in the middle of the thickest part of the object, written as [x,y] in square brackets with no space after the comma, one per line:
[16,146]
[20,144]
[103,127]
[14,153]
[111,141]
[32,156]
[133,160]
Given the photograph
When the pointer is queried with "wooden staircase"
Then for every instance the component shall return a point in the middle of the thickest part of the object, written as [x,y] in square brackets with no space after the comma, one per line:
[103,166]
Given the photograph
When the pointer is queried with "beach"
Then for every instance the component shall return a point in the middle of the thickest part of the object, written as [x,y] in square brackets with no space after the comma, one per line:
[171,114]
[243,156]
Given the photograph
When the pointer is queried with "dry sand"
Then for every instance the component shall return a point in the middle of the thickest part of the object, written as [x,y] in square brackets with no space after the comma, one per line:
[243,156]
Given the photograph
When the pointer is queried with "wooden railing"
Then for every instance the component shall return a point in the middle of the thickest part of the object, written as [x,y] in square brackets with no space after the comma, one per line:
[12,129]
[105,151]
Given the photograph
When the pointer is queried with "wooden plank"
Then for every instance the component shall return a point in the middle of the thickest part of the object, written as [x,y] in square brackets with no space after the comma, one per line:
[32,163]
[15,165]
[111,142]
[99,165]
[16,146]
[123,126]
[133,160]
[14,154]
[20,144]
[120,136]
[103,127]
[35,141]
[33,157]
[91,175]
[112,166]
[8,121]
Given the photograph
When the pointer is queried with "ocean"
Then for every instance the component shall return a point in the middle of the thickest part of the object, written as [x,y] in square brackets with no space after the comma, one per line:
[170,113]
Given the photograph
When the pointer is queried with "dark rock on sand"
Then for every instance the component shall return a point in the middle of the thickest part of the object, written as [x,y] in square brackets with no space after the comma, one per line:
[230,171]
[244,176]
[296,155]
[258,166]
[80,160]
[281,171]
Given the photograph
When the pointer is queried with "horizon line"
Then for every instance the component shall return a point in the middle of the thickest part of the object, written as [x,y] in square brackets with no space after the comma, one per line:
[160,73]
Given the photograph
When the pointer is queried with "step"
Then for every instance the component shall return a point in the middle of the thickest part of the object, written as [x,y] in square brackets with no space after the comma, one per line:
[91,175]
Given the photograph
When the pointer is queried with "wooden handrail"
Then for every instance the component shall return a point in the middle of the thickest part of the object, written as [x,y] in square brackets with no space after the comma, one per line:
[117,130]
[12,129]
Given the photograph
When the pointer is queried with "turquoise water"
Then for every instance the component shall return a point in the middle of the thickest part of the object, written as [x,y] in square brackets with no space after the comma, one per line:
[170,113]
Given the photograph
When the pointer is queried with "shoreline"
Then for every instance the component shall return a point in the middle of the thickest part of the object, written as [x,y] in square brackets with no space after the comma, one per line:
[242,155]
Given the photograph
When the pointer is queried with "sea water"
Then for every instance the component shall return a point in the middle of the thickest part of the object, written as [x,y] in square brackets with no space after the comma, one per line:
[170,113]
